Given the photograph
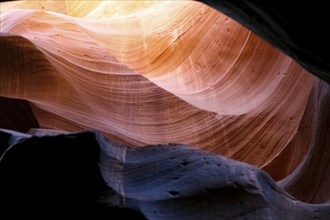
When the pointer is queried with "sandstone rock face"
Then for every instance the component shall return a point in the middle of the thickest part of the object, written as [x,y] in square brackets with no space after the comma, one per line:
[290,29]
[294,33]
[161,181]
[159,72]
[206,82]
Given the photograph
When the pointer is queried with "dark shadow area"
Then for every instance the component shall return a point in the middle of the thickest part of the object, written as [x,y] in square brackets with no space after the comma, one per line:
[55,174]
[16,114]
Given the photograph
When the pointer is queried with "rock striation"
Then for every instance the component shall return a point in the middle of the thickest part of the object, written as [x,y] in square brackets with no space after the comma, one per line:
[151,73]
[207,82]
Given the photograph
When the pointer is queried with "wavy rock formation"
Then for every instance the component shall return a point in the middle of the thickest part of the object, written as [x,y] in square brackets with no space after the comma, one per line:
[310,181]
[288,28]
[142,82]
[295,33]
[159,72]
[160,181]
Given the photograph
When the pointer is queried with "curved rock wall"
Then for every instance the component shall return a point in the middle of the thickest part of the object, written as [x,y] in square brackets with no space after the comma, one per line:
[159,72]
[146,73]
[159,181]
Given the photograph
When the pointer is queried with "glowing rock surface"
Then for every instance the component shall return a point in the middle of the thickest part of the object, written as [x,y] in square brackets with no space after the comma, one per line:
[150,72]
[158,72]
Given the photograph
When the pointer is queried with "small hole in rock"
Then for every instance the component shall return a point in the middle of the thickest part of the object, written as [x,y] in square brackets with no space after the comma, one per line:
[173,193]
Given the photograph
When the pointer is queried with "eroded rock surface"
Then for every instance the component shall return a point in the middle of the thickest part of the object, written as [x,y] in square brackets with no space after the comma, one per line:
[162,181]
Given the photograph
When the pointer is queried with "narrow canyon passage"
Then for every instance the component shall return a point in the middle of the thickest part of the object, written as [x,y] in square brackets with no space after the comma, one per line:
[160,72]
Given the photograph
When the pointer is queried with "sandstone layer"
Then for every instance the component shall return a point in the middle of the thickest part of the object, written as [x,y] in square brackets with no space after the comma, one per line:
[159,72]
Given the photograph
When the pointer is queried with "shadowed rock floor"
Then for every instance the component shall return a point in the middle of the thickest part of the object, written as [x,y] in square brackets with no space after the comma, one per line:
[85,171]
